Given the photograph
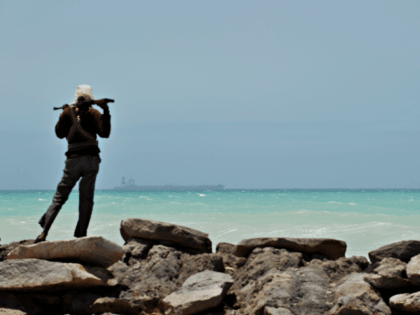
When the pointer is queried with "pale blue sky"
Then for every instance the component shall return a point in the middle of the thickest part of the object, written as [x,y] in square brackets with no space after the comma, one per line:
[267,94]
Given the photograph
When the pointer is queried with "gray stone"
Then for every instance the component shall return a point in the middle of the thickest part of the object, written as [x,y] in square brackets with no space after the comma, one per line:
[402,250]
[406,302]
[413,270]
[199,292]
[94,250]
[230,261]
[162,272]
[389,273]
[162,231]
[36,274]
[356,296]
[331,248]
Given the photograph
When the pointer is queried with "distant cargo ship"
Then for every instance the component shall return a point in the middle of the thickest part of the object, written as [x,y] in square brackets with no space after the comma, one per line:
[130,185]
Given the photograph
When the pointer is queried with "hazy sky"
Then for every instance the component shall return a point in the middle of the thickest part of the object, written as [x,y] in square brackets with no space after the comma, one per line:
[250,94]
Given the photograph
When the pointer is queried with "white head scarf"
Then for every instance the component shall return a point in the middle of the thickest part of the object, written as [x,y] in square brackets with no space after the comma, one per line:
[85,91]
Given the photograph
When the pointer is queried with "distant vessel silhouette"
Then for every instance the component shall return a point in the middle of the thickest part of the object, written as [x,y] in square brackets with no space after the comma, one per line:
[130,185]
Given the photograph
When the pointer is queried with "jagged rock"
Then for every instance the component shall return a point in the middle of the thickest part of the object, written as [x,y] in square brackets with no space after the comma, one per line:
[402,250]
[136,249]
[162,272]
[389,273]
[199,292]
[338,269]
[276,280]
[356,296]
[8,311]
[406,302]
[271,278]
[413,270]
[162,231]
[331,248]
[94,250]
[36,274]
[230,261]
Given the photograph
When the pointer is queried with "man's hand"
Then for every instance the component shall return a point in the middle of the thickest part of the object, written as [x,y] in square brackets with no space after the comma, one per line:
[103,103]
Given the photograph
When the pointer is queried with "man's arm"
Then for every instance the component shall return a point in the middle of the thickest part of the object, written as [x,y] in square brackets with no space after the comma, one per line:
[62,127]
[103,122]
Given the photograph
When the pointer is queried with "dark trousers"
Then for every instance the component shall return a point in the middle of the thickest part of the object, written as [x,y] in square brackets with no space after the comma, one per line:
[87,167]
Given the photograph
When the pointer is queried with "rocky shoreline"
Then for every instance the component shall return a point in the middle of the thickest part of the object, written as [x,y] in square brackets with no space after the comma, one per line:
[170,269]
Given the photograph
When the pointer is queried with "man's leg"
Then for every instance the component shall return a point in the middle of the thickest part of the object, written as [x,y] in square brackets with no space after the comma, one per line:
[72,173]
[86,194]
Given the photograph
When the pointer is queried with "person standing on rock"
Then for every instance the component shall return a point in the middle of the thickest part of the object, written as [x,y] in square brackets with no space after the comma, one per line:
[79,123]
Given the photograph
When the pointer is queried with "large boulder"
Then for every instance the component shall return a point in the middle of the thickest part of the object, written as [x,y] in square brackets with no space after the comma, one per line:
[402,250]
[413,270]
[331,248]
[93,250]
[199,292]
[406,302]
[162,231]
[354,295]
[389,273]
[41,275]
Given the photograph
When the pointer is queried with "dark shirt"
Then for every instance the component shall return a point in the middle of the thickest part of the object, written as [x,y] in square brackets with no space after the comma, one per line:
[92,121]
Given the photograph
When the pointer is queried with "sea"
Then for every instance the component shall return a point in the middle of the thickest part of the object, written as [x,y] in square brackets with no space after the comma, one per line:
[365,219]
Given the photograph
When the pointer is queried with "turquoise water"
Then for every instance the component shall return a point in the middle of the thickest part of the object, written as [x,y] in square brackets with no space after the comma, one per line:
[364,219]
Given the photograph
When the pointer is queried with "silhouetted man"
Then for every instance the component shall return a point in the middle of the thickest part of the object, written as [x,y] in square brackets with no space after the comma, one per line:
[79,123]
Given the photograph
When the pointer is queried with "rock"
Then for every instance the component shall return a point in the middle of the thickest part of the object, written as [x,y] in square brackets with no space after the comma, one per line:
[162,231]
[230,261]
[199,292]
[275,280]
[162,272]
[136,249]
[271,277]
[402,250]
[389,273]
[406,302]
[331,248]
[36,274]
[413,270]
[8,311]
[5,249]
[94,250]
[356,296]
[259,263]
[277,311]
[338,269]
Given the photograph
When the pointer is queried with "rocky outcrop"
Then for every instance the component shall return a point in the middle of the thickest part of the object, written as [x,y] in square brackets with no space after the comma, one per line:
[202,291]
[330,248]
[162,231]
[168,269]
[36,274]
[276,281]
[402,250]
[93,250]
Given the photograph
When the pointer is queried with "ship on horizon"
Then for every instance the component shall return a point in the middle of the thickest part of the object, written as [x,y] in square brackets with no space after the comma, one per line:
[130,185]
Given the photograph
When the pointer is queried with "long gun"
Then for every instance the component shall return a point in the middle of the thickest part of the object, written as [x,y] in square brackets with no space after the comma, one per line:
[86,103]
